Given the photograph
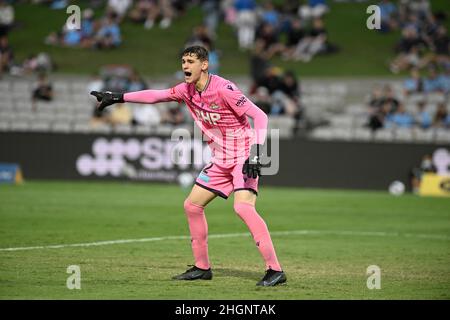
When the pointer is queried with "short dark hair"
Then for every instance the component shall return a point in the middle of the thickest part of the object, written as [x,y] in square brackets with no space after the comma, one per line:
[199,51]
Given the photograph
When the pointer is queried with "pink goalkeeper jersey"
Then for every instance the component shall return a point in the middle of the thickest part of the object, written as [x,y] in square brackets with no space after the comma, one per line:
[219,110]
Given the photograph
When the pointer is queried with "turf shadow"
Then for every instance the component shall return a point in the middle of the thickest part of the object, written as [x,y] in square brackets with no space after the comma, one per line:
[229,272]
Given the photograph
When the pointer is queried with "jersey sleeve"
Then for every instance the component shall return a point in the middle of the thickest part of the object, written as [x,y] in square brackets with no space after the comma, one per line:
[235,99]
[154,96]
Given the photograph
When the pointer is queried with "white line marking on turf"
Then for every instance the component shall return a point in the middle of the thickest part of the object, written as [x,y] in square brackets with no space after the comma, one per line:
[246,234]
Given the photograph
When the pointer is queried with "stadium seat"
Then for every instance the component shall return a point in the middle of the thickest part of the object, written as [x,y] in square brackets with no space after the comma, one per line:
[404,134]
[384,135]
[342,133]
[24,116]
[4,125]
[6,115]
[284,124]
[81,127]
[104,129]
[421,135]
[40,126]
[362,134]
[123,129]
[144,130]
[435,97]
[342,121]
[164,130]
[19,126]
[61,127]
[23,106]
[322,133]
[442,135]
[45,116]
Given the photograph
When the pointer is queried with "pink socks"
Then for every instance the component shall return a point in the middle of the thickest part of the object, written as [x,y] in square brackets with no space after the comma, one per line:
[199,233]
[260,233]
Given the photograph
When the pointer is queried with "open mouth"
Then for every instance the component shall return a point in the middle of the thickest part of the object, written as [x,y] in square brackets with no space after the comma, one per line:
[187,74]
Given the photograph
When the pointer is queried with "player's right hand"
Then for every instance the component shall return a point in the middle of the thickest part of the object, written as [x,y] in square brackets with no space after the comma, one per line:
[252,166]
[107,98]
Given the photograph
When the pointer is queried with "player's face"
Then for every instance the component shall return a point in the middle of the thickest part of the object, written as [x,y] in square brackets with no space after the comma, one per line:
[192,67]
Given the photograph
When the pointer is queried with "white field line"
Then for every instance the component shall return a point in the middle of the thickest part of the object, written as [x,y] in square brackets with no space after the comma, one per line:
[246,234]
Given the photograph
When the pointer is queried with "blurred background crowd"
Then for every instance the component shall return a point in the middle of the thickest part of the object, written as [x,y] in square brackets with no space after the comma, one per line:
[277,38]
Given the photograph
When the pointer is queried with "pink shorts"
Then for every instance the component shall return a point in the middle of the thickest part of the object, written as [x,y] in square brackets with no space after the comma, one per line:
[223,180]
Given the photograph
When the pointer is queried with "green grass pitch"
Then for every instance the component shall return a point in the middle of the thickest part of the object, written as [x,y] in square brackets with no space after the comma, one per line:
[325,240]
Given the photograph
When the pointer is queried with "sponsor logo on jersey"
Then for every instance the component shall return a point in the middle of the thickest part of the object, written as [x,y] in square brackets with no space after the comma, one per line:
[229,87]
[209,117]
[241,101]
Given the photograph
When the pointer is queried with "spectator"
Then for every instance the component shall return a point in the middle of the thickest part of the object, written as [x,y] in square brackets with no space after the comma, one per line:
[288,95]
[200,36]
[295,35]
[441,46]
[376,99]
[120,115]
[408,51]
[95,84]
[314,9]
[43,91]
[379,117]
[213,60]
[211,15]
[108,36]
[413,84]
[313,44]
[267,39]
[262,99]
[441,116]
[271,80]
[87,28]
[146,115]
[141,10]
[174,115]
[118,8]
[390,99]
[444,80]
[6,17]
[6,55]
[270,15]
[38,63]
[400,119]
[290,86]
[423,118]
[258,65]
[136,82]
[432,83]
[246,21]
[157,9]
[388,12]
[416,174]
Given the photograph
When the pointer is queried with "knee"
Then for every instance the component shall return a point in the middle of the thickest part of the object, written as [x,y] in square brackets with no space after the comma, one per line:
[192,208]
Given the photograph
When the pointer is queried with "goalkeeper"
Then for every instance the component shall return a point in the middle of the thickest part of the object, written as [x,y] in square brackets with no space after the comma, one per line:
[220,110]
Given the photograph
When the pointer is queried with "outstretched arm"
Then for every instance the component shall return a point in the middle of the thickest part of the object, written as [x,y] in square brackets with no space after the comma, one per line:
[149,96]
[145,96]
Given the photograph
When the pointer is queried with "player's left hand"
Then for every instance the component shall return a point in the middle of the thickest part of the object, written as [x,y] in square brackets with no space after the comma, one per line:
[252,166]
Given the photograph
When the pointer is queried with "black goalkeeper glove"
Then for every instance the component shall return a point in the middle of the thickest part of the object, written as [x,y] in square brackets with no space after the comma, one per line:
[107,98]
[252,166]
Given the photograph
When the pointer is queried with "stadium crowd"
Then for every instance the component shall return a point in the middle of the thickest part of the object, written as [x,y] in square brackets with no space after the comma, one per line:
[292,30]
[387,110]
